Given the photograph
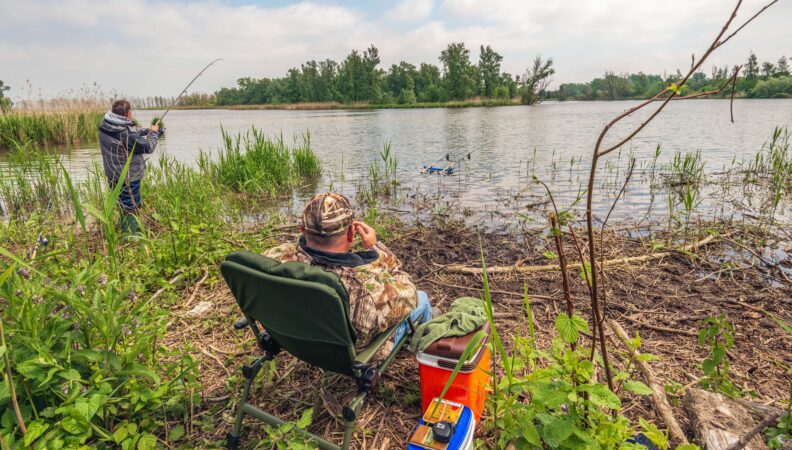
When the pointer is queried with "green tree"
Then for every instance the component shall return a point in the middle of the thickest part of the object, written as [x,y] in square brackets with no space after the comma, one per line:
[752,67]
[429,84]
[400,79]
[459,75]
[536,79]
[328,74]
[782,68]
[768,69]
[5,102]
[359,79]
[489,68]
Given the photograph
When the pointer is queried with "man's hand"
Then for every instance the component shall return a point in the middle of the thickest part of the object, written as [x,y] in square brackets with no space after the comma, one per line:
[154,128]
[367,234]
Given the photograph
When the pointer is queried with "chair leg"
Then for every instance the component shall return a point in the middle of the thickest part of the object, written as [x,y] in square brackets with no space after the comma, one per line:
[350,417]
[250,373]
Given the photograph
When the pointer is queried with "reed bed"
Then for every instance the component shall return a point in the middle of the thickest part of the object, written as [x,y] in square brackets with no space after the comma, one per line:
[255,164]
[41,129]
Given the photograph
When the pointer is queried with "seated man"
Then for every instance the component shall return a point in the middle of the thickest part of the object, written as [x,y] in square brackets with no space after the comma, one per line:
[381,295]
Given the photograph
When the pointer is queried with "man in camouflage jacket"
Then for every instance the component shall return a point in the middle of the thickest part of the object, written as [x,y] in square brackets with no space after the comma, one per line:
[381,294]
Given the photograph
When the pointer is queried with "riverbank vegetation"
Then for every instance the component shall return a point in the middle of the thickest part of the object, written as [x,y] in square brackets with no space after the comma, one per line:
[765,80]
[20,128]
[359,79]
[88,354]
[138,349]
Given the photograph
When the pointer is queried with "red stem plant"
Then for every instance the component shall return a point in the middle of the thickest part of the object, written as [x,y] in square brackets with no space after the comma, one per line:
[665,96]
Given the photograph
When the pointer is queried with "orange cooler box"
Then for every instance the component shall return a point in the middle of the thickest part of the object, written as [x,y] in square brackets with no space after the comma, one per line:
[471,385]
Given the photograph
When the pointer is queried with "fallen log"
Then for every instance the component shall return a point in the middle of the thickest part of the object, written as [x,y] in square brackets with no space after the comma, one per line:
[550,267]
[719,423]
[659,398]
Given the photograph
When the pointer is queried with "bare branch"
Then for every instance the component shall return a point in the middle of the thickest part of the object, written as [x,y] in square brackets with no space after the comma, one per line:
[746,23]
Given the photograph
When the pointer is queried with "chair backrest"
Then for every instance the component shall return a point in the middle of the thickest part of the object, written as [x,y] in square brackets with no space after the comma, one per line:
[304,308]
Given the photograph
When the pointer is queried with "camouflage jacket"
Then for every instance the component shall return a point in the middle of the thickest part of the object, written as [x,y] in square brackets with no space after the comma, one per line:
[381,295]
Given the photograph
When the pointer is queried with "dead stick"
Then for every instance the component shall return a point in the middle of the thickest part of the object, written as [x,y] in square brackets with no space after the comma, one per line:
[659,328]
[658,391]
[197,285]
[610,262]
[743,441]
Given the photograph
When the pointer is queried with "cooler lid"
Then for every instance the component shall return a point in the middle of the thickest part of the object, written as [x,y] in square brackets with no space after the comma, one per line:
[453,347]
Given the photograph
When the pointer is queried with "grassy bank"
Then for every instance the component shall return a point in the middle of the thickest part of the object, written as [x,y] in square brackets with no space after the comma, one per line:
[88,333]
[48,128]
[130,344]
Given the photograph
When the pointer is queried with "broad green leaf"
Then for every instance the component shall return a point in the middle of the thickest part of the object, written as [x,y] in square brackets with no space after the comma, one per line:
[32,369]
[135,369]
[552,395]
[305,419]
[569,327]
[74,426]
[555,430]
[147,442]
[600,395]
[70,375]
[637,387]
[120,434]
[176,433]
[34,430]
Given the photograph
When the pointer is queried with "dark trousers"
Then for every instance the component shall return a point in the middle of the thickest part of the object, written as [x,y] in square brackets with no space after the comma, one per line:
[129,198]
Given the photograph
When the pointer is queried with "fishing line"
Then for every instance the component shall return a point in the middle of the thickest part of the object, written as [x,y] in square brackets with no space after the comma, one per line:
[184,91]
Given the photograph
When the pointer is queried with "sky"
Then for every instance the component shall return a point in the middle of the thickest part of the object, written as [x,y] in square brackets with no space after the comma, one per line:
[145,48]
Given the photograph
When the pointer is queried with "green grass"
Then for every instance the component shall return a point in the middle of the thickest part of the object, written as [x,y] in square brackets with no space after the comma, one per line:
[46,129]
[86,315]
[255,164]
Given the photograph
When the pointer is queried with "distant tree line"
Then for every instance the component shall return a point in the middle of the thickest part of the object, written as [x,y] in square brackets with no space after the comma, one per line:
[765,80]
[359,78]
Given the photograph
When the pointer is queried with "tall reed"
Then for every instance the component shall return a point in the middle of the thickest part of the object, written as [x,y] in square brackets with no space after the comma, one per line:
[48,128]
[253,163]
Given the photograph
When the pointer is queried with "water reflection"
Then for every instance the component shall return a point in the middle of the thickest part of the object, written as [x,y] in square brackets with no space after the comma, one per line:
[552,141]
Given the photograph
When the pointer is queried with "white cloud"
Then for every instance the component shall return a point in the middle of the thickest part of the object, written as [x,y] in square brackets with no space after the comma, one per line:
[411,11]
[152,47]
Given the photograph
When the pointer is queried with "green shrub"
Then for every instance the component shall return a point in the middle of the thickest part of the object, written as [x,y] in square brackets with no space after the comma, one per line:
[780,87]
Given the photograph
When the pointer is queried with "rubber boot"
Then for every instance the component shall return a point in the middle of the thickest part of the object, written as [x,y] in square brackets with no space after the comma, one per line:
[130,227]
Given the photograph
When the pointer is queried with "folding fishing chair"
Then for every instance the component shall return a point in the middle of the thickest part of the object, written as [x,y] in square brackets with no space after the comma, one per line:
[304,310]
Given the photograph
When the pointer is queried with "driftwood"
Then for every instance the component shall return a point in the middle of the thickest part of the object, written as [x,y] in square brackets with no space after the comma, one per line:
[719,423]
[610,262]
[658,390]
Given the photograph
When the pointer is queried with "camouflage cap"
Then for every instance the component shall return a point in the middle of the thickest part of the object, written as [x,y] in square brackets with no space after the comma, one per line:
[327,214]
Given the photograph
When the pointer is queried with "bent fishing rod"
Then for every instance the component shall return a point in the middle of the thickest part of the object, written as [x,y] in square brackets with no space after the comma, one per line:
[184,91]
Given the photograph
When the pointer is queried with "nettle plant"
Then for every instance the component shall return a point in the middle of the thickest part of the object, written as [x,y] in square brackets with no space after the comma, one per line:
[552,397]
[717,335]
[81,349]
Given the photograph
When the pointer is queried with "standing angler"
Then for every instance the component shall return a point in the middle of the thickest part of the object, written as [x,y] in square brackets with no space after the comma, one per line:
[118,137]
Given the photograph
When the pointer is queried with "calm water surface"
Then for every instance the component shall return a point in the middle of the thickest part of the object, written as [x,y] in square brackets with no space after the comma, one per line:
[510,144]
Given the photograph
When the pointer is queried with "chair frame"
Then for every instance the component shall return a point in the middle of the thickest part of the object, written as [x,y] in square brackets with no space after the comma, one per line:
[364,374]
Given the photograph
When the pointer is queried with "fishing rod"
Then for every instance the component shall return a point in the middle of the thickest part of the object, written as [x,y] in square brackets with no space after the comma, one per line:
[448,170]
[184,91]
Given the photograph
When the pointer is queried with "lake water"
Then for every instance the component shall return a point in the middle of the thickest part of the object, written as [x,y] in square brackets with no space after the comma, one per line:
[552,141]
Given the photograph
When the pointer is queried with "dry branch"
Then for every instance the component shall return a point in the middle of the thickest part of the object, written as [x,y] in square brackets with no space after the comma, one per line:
[658,391]
[550,267]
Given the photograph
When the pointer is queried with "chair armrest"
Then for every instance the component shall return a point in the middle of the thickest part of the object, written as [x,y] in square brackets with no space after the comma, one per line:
[365,355]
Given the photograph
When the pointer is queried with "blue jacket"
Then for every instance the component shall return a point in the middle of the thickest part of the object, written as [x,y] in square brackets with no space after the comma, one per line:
[117,138]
